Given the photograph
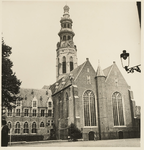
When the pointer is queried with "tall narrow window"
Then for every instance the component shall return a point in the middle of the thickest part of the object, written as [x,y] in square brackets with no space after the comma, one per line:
[67,105]
[89,108]
[34,130]
[26,129]
[71,63]
[17,128]
[64,64]
[9,125]
[118,115]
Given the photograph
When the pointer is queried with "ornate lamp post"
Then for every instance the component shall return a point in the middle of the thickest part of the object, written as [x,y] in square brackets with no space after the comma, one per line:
[124,57]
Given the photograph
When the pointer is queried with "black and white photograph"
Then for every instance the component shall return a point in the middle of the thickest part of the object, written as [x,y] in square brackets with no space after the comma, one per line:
[71,73]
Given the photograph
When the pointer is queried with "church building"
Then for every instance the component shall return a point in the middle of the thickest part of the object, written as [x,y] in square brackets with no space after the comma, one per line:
[97,102]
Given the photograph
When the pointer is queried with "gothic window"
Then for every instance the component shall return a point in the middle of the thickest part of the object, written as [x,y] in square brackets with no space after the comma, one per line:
[17,128]
[34,130]
[118,115]
[41,124]
[67,105]
[64,64]
[59,101]
[89,108]
[71,63]
[26,129]
[34,112]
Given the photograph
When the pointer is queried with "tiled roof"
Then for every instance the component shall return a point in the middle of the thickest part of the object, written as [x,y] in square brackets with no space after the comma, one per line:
[28,94]
[65,81]
[107,70]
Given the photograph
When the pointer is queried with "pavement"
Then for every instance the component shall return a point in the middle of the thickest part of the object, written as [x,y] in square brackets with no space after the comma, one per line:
[134,142]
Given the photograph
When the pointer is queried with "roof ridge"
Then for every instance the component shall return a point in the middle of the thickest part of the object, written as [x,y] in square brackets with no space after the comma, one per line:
[82,65]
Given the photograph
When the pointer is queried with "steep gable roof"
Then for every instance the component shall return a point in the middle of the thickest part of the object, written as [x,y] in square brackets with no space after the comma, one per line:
[28,95]
[109,71]
[65,81]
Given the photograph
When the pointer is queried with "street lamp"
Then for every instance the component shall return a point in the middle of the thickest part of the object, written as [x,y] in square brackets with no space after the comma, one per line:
[124,59]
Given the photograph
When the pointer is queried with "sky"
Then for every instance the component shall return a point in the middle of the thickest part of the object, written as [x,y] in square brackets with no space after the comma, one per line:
[103,29]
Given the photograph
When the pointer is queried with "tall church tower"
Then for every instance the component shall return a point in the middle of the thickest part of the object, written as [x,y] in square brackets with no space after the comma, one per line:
[66,59]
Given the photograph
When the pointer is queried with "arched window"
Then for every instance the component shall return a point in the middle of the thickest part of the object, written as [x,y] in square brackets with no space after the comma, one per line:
[67,105]
[26,129]
[117,109]
[68,26]
[89,108]
[17,128]
[69,37]
[64,64]
[41,124]
[71,63]
[9,125]
[34,130]
[64,25]
[64,37]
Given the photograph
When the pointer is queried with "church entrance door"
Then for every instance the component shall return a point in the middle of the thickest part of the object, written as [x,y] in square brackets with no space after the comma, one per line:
[120,133]
[91,135]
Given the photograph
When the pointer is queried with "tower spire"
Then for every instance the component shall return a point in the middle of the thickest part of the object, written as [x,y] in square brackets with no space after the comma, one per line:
[66,50]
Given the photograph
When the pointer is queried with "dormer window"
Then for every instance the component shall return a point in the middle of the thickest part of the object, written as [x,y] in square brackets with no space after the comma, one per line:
[34,103]
[50,104]
[18,103]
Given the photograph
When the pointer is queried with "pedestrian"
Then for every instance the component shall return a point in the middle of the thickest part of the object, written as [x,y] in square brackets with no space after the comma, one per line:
[4,133]
[95,136]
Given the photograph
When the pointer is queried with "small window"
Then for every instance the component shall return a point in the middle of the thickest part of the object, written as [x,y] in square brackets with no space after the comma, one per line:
[34,103]
[34,112]
[52,122]
[48,123]
[50,104]
[18,103]
[17,112]
[9,112]
[42,113]
[49,113]
[26,112]
[42,124]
